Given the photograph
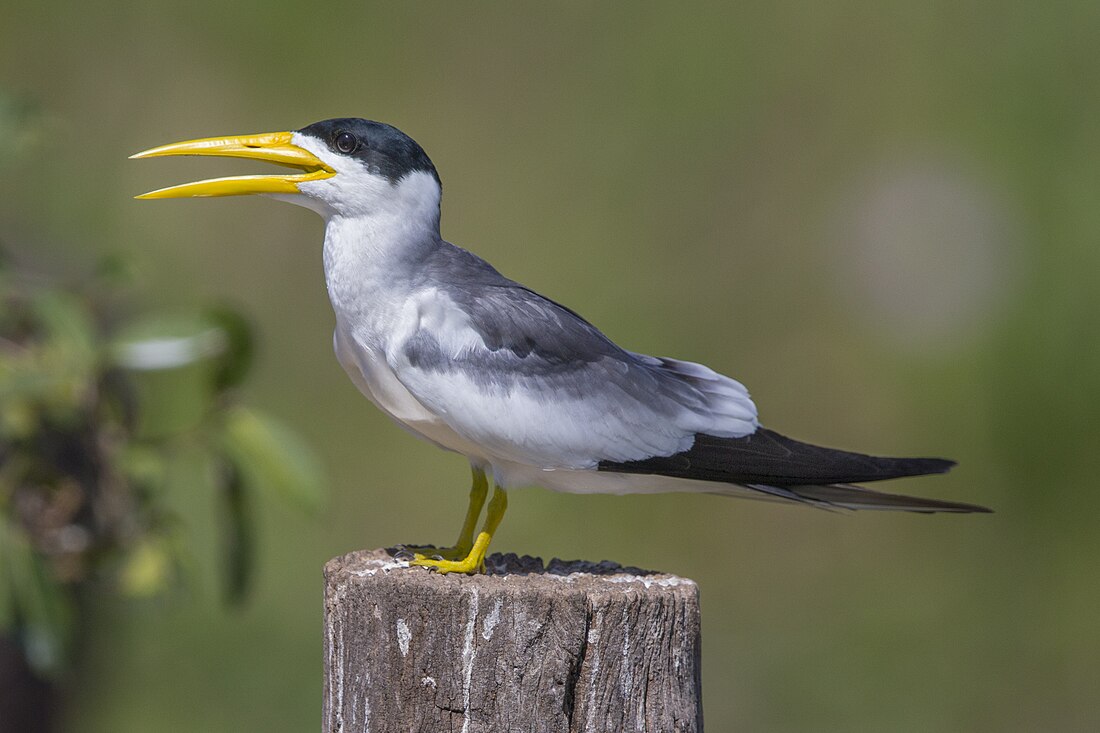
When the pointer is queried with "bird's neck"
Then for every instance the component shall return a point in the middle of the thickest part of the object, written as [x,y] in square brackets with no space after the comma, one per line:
[370,258]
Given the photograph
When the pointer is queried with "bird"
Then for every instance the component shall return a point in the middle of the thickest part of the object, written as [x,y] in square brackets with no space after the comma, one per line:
[528,390]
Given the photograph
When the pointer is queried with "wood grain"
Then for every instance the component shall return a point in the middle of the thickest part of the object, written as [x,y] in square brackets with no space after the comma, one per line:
[566,647]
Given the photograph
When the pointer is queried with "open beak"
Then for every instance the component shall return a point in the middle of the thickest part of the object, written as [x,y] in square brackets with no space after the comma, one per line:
[274,147]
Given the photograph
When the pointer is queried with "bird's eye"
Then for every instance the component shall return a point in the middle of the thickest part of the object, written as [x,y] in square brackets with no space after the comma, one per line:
[346,143]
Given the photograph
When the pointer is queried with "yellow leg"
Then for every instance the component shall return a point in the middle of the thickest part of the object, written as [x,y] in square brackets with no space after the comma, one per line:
[479,489]
[474,561]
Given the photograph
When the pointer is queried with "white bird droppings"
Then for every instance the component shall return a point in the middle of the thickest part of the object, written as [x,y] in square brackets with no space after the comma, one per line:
[626,677]
[366,709]
[404,635]
[490,622]
[671,581]
[468,653]
[379,566]
[593,639]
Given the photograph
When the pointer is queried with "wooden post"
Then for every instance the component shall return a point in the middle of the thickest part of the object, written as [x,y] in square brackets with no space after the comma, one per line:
[566,648]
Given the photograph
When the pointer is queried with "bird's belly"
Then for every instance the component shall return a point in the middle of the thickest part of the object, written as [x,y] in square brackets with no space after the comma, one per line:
[372,375]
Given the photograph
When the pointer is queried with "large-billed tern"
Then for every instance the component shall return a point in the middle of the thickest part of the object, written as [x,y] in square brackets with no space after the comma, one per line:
[526,389]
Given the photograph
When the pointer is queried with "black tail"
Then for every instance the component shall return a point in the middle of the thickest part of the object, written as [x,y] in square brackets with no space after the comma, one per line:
[846,496]
[784,468]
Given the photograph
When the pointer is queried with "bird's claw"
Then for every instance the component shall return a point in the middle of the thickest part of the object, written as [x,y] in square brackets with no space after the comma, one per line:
[469,564]
[413,553]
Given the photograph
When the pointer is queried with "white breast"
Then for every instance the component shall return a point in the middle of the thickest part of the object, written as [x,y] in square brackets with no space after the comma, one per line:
[367,367]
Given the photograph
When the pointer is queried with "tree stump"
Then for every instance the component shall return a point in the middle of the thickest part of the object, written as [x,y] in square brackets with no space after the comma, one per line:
[569,647]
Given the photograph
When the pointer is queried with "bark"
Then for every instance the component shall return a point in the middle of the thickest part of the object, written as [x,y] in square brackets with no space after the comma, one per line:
[569,647]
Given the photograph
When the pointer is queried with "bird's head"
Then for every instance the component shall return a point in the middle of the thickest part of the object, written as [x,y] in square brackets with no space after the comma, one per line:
[347,167]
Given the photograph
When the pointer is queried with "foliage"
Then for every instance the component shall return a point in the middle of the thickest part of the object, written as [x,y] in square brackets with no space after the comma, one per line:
[96,407]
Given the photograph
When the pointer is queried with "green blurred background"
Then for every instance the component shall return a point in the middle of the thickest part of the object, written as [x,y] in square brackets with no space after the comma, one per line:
[882,217]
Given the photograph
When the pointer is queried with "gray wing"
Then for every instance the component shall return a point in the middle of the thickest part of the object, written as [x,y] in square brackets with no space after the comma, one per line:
[533,382]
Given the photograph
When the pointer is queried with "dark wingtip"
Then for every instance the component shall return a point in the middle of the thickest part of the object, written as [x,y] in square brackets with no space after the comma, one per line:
[955,507]
[923,466]
[943,465]
[849,496]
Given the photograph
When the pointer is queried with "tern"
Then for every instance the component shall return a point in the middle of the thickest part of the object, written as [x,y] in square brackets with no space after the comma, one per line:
[528,390]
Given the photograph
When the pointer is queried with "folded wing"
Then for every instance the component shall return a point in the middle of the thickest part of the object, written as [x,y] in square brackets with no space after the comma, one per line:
[534,383]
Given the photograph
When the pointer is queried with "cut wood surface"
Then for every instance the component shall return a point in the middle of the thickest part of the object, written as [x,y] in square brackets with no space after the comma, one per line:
[569,646]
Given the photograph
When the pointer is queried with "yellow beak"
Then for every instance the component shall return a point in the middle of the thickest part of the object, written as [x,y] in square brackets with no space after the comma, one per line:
[274,147]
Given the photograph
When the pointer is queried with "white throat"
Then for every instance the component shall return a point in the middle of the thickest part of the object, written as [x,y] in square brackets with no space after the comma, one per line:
[371,253]
[376,231]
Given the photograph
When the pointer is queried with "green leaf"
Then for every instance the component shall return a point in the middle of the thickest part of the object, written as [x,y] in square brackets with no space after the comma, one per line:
[18,418]
[51,375]
[239,548]
[115,271]
[273,458]
[48,373]
[147,570]
[235,362]
[43,611]
[144,466]
[166,342]
[171,362]
[68,325]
